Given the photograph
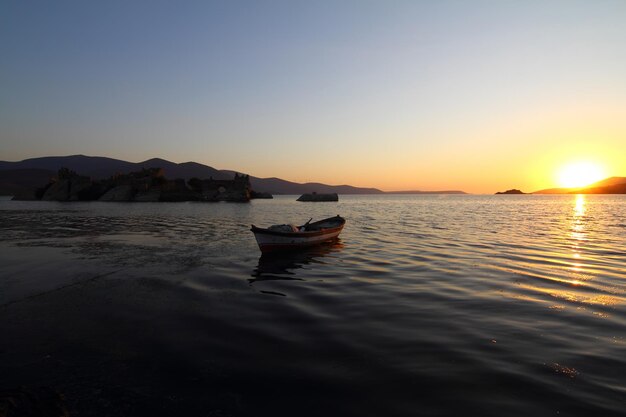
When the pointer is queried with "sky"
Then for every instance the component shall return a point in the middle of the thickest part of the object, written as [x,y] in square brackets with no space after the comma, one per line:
[477,96]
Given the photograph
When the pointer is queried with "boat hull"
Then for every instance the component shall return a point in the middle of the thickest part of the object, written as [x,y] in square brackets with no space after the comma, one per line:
[271,241]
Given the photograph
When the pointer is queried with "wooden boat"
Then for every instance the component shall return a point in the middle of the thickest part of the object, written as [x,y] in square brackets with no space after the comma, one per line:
[289,237]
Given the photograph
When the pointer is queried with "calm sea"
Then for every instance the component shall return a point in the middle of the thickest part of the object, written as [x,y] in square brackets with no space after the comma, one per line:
[427,305]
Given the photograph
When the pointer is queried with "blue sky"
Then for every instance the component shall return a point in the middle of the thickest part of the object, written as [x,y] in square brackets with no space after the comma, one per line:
[394,94]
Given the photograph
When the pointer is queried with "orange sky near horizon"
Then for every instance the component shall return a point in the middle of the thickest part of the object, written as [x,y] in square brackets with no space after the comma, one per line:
[525,153]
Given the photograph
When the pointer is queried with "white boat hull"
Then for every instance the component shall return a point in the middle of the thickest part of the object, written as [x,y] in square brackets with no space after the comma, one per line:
[270,241]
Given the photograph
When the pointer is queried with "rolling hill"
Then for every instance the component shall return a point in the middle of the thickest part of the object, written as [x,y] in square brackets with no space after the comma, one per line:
[612,185]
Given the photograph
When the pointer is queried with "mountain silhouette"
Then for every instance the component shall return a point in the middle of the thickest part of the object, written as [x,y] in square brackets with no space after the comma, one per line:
[612,185]
[35,172]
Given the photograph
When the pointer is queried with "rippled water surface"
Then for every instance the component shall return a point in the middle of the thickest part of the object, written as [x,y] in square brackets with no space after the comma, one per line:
[427,305]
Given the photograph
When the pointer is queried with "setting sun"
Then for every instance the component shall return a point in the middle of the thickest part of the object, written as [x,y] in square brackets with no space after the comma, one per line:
[580,174]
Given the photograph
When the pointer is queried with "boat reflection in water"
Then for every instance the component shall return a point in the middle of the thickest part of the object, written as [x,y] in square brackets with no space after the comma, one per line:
[284,265]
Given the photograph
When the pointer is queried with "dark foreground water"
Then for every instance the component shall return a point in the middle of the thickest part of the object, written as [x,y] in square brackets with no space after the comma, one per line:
[428,305]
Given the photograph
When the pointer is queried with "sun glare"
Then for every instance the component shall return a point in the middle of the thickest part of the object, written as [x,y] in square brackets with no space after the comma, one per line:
[580,174]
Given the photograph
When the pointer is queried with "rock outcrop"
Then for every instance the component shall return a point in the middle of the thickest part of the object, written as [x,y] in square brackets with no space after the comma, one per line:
[236,190]
[512,191]
[119,193]
[147,185]
[315,197]
[68,186]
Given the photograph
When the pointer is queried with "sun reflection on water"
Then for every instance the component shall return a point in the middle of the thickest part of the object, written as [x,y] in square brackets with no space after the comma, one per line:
[578,238]
[579,206]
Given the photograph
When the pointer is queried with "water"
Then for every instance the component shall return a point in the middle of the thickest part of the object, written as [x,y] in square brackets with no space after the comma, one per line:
[427,305]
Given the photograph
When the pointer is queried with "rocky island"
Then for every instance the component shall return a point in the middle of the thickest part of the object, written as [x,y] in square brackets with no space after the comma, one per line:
[315,197]
[512,191]
[147,185]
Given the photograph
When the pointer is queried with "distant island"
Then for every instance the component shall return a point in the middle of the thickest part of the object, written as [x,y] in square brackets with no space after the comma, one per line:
[612,185]
[24,177]
[512,191]
[315,197]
